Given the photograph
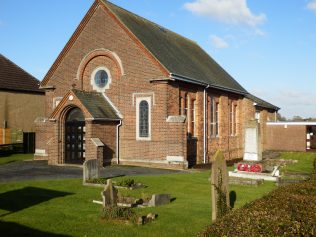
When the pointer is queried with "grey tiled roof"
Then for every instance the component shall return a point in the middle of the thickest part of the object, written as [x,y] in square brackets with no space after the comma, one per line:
[261,103]
[12,77]
[97,105]
[178,54]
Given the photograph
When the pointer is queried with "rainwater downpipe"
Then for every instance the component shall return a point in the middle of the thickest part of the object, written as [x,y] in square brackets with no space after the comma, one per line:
[118,141]
[204,125]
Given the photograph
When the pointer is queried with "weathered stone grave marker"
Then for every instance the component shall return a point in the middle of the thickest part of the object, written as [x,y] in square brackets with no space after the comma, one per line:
[219,186]
[91,170]
[159,199]
[109,194]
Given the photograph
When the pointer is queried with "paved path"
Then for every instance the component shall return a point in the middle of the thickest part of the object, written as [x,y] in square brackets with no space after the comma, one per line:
[32,170]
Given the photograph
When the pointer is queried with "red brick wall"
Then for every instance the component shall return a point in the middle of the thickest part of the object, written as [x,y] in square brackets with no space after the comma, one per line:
[103,32]
[290,138]
[168,139]
[106,132]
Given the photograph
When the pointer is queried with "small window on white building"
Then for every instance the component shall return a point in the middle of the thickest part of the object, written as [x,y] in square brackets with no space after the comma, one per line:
[143,118]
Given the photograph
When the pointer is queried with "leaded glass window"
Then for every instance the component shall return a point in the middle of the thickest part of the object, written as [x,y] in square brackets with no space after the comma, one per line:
[143,119]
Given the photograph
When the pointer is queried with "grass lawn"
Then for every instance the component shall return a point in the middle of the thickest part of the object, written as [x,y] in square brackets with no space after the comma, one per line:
[15,157]
[65,208]
[304,164]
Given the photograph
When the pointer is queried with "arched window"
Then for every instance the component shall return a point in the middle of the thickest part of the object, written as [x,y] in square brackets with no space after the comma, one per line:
[143,119]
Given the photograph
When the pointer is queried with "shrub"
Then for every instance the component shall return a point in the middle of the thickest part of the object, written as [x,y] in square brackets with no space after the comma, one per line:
[117,213]
[97,181]
[126,183]
[287,211]
[313,174]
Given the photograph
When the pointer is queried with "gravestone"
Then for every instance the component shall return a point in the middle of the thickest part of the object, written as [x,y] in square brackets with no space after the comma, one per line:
[252,151]
[159,199]
[91,170]
[219,186]
[109,194]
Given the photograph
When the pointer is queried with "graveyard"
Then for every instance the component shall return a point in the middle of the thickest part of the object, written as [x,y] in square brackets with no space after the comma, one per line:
[65,207]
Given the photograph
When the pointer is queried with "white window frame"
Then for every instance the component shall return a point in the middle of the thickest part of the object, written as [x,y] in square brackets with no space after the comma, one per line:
[148,100]
[94,85]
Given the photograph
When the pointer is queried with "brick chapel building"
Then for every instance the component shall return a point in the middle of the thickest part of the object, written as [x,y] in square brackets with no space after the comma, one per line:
[126,90]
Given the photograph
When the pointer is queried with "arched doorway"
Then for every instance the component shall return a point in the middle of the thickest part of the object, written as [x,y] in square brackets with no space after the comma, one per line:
[74,137]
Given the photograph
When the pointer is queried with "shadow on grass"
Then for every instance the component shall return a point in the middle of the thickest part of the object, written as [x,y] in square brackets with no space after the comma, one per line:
[232,198]
[17,230]
[16,200]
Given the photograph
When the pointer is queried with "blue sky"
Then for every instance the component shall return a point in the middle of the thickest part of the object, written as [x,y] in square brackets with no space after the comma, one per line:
[268,46]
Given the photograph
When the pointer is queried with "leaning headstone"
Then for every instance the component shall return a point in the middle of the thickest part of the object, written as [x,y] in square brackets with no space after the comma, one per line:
[219,186]
[253,151]
[109,194]
[159,199]
[91,170]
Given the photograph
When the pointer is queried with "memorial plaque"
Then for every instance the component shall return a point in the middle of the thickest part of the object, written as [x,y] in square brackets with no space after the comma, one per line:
[252,150]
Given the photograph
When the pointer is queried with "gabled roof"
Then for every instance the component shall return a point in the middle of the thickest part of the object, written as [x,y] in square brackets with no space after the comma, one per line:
[97,105]
[262,103]
[179,55]
[12,77]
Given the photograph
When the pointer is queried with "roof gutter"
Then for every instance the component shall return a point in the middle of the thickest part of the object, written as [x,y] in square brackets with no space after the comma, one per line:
[196,82]
[275,108]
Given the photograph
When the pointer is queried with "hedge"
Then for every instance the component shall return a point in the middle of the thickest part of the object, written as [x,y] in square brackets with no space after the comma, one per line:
[287,211]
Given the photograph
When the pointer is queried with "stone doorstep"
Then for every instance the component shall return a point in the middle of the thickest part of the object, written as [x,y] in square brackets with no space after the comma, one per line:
[247,175]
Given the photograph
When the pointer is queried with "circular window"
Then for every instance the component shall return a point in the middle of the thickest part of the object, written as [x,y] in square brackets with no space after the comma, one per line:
[101,78]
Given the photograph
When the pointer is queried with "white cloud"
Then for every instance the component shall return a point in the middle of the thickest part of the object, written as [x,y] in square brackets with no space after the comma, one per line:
[312,5]
[233,12]
[218,42]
